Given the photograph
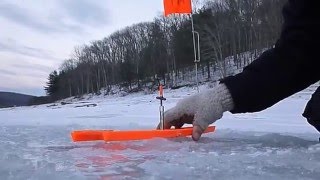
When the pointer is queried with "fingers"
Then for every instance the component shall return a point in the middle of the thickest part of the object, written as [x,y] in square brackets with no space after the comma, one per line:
[171,118]
[178,125]
[167,125]
[197,132]
[199,126]
[174,117]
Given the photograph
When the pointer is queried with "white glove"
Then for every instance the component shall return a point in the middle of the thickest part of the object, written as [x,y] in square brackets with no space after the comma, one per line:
[201,110]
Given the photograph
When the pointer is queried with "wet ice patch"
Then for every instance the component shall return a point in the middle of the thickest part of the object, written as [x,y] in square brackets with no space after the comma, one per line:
[33,152]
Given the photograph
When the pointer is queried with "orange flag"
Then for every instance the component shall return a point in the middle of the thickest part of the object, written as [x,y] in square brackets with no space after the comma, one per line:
[177,6]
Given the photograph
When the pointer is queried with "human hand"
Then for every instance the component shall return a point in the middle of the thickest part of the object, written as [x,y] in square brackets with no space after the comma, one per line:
[201,110]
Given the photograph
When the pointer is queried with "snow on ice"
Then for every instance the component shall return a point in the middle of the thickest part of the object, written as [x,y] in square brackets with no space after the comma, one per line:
[274,144]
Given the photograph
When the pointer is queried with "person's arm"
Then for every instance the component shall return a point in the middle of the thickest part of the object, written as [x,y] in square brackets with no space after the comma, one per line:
[292,65]
[289,67]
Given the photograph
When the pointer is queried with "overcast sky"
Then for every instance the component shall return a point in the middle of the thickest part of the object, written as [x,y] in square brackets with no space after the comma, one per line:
[37,35]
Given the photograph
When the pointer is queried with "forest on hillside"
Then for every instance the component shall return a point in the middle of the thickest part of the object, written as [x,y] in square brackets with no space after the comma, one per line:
[135,56]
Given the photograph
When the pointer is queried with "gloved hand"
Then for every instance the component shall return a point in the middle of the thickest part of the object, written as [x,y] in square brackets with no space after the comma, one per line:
[201,110]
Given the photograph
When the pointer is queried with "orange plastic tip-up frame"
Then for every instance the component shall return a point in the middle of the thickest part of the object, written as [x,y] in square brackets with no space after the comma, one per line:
[111,135]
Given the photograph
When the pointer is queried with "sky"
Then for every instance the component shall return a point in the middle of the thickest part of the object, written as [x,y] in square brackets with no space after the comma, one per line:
[36,35]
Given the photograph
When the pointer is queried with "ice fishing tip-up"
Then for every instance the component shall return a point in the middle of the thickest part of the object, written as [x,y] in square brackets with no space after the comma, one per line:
[161,108]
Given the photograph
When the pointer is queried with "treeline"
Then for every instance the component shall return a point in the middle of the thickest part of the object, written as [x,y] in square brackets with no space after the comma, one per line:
[136,55]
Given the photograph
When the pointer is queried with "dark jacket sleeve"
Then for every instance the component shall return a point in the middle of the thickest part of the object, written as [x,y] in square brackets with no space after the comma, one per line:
[289,67]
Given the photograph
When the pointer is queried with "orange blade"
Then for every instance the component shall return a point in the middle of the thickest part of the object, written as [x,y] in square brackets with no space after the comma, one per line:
[148,134]
[88,135]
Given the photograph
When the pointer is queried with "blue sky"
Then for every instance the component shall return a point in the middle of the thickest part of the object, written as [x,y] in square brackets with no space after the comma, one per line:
[36,35]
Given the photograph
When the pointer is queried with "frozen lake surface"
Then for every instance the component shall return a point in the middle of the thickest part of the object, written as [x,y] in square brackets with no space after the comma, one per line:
[274,144]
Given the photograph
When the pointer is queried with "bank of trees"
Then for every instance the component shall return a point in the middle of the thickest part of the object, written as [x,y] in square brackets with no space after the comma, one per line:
[133,56]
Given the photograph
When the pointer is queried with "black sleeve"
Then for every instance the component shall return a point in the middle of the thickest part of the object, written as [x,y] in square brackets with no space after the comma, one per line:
[289,67]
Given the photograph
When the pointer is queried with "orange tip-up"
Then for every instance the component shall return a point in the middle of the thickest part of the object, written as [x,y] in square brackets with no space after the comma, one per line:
[117,135]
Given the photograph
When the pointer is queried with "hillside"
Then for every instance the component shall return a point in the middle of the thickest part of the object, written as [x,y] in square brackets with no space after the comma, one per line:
[9,99]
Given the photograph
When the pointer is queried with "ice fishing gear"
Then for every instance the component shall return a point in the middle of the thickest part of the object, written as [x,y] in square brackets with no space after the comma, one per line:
[196,50]
[161,107]
[128,135]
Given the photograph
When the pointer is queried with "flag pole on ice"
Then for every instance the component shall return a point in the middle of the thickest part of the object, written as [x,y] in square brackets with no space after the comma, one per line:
[185,7]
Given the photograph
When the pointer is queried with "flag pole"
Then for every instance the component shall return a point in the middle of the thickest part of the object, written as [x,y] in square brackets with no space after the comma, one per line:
[195,50]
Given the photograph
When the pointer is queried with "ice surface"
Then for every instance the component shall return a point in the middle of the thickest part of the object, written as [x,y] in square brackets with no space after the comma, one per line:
[274,144]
